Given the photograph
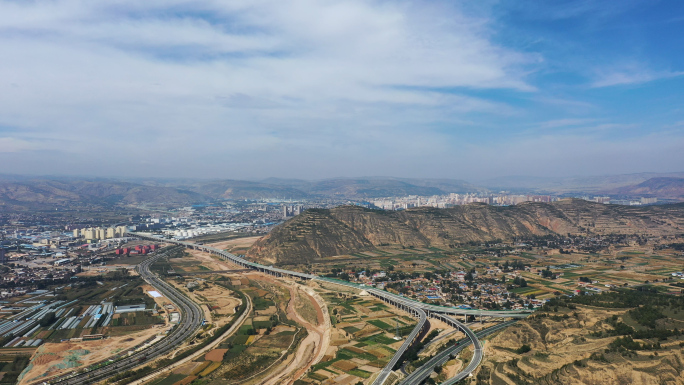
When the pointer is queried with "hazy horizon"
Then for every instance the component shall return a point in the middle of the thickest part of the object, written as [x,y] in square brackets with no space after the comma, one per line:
[521,178]
[323,89]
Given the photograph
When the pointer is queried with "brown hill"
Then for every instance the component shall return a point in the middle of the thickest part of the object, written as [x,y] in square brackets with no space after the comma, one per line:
[666,188]
[343,188]
[49,194]
[317,234]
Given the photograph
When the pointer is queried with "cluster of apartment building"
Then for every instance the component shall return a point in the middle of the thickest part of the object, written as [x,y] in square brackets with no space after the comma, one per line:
[93,233]
[451,200]
[444,201]
[292,210]
[624,202]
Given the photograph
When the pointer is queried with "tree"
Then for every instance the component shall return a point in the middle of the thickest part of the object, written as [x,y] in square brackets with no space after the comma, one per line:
[47,319]
[519,281]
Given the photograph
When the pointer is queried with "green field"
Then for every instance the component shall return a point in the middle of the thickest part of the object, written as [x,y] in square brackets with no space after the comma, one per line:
[524,290]
[170,380]
[380,324]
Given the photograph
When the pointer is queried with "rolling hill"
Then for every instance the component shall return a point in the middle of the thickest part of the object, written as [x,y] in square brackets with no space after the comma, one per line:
[665,188]
[569,185]
[49,194]
[340,188]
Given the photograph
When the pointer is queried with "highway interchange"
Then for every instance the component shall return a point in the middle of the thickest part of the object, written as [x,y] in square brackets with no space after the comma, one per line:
[192,316]
[420,374]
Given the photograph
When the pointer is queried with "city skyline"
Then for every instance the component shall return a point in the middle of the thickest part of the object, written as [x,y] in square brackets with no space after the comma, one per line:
[314,90]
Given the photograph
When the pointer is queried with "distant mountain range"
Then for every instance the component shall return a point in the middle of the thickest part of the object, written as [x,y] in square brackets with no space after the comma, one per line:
[40,193]
[21,192]
[564,185]
[49,194]
[665,188]
[318,234]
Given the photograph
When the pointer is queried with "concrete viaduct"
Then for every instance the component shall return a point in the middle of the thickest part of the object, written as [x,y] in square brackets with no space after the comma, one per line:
[418,309]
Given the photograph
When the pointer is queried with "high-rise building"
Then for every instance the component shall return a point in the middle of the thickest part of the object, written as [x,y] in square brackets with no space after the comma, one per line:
[111,232]
[77,233]
[90,233]
[121,231]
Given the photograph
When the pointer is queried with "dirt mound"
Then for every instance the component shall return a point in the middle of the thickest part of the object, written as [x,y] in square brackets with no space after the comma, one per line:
[45,358]
[54,359]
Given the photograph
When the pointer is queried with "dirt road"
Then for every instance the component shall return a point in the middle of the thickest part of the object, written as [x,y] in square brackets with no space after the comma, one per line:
[312,349]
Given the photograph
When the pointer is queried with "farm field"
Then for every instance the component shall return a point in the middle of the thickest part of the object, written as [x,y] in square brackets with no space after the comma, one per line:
[269,341]
[362,341]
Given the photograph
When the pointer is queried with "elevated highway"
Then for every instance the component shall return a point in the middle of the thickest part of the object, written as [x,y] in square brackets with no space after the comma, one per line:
[420,310]
[477,353]
[427,308]
[442,357]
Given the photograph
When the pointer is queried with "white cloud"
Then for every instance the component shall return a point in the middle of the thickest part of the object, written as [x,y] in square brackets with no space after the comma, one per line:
[9,144]
[212,79]
[338,49]
[627,76]
[556,123]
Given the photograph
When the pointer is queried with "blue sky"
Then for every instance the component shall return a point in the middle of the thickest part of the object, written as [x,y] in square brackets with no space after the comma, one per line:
[315,89]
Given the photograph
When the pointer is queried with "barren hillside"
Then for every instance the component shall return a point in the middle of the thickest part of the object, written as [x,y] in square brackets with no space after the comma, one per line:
[317,234]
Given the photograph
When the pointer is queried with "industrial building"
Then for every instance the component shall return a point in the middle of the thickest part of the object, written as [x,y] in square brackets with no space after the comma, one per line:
[129,308]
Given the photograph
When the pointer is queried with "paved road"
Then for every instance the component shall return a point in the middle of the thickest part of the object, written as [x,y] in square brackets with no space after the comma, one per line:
[236,325]
[385,372]
[214,272]
[437,340]
[191,320]
[420,309]
[379,293]
[426,370]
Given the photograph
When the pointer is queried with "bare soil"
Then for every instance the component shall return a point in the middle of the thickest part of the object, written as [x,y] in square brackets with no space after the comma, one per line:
[312,349]
[556,346]
[234,245]
[49,357]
